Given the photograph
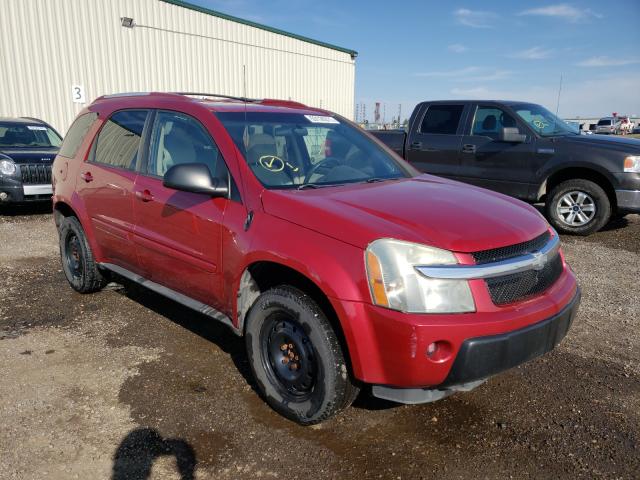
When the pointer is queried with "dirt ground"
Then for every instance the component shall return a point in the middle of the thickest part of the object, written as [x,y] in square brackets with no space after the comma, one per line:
[124,384]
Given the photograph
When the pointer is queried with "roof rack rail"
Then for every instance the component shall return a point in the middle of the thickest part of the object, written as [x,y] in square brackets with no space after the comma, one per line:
[217,95]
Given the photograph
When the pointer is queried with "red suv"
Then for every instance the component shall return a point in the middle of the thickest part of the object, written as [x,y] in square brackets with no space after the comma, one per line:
[339,263]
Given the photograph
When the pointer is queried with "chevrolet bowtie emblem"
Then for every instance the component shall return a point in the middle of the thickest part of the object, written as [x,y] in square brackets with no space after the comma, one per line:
[539,261]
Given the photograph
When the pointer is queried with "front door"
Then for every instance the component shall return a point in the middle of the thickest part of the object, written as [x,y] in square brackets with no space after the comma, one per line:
[105,185]
[178,234]
[488,162]
[434,145]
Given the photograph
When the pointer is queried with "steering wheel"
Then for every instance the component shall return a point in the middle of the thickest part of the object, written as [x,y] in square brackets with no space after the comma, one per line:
[326,165]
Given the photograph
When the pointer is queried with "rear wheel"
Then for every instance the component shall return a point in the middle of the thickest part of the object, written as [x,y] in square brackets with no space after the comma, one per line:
[78,263]
[296,358]
[578,206]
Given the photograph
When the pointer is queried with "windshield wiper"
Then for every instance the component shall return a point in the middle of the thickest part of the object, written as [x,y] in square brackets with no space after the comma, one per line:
[378,179]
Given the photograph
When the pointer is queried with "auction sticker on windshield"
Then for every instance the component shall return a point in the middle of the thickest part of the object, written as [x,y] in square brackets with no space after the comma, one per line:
[321,119]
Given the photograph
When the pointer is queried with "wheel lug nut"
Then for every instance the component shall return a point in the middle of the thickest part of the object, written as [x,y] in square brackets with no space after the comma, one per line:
[283,347]
[291,346]
[285,360]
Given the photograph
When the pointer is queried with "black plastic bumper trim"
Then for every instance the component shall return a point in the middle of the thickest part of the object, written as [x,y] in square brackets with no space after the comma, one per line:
[482,357]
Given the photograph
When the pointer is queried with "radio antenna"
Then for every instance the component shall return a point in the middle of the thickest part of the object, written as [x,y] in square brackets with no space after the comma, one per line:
[557,104]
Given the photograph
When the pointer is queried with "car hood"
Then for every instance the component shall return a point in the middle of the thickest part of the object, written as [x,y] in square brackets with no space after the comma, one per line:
[612,142]
[424,209]
[30,155]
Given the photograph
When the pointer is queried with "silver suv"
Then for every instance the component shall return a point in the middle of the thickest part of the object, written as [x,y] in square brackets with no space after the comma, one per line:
[609,125]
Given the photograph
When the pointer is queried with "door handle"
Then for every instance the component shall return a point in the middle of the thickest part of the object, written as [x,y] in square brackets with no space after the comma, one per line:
[86,176]
[468,148]
[145,195]
[415,146]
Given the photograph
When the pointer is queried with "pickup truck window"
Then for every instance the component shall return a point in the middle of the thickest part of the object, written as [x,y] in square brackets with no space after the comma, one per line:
[489,121]
[542,121]
[442,119]
[293,150]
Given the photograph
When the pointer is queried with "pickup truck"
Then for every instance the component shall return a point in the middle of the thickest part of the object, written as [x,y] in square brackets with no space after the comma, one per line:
[523,150]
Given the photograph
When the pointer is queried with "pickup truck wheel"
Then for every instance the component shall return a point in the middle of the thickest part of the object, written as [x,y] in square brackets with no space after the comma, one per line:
[296,358]
[78,263]
[579,207]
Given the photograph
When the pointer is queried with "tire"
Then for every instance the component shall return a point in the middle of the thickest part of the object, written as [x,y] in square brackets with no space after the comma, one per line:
[307,383]
[78,263]
[589,198]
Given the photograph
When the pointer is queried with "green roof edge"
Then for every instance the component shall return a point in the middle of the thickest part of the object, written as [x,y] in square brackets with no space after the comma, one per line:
[208,11]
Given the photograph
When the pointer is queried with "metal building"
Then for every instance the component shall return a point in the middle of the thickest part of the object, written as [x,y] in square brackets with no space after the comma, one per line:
[56,56]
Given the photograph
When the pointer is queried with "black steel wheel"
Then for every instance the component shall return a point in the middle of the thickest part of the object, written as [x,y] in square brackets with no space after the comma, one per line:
[78,263]
[288,356]
[296,358]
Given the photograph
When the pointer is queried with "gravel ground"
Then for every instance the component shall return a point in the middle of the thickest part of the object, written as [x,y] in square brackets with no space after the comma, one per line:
[122,383]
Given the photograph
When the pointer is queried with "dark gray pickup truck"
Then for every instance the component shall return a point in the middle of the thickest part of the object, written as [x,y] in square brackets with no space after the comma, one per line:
[523,150]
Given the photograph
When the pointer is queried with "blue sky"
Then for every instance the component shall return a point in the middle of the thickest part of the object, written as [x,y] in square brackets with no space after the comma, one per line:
[418,50]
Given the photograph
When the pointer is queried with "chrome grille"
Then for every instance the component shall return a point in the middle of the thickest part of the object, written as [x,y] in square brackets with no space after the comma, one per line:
[504,253]
[35,174]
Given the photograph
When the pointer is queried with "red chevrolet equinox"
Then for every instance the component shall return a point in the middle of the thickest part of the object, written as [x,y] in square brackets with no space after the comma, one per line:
[339,263]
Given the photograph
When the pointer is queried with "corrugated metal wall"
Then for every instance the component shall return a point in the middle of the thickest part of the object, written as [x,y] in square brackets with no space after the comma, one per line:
[46,46]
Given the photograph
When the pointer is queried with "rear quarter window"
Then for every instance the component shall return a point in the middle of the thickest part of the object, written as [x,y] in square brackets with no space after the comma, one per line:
[76,134]
[442,119]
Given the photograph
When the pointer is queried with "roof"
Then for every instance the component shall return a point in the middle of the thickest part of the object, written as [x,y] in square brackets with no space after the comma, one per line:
[214,102]
[25,120]
[215,13]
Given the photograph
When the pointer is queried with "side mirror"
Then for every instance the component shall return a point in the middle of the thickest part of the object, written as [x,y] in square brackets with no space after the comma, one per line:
[195,178]
[512,135]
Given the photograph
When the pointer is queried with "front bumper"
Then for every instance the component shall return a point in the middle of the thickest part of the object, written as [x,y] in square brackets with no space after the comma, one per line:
[628,200]
[18,193]
[390,349]
[482,357]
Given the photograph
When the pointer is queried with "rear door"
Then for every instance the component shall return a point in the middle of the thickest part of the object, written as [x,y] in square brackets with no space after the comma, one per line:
[488,162]
[105,184]
[178,234]
[435,139]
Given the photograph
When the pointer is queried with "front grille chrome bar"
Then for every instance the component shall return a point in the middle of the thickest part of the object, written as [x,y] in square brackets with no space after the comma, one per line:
[529,261]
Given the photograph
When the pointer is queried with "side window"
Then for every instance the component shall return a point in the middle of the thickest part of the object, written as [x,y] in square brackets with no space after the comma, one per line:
[489,122]
[76,134]
[442,119]
[119,139]
[178,138]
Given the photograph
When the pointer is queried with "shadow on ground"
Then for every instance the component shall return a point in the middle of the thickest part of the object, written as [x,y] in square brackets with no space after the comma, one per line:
[138,451]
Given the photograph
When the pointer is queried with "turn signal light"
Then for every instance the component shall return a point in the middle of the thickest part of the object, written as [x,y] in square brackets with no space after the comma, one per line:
[376,283]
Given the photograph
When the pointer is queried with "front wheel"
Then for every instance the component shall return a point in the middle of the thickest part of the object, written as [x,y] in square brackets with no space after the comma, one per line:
[296,358]
[579,207]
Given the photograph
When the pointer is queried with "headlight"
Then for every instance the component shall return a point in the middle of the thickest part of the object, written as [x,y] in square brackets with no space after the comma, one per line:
[7,167]
[632,164]
[395,283]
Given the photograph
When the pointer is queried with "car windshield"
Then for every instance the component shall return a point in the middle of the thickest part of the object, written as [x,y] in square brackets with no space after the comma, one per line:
[604,122]
[545,123]
[293,150]
[18,135]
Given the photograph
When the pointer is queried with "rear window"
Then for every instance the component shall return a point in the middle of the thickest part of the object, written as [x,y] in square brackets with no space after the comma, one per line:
[76,134]
[604,122]
[23,135]
[442,119]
